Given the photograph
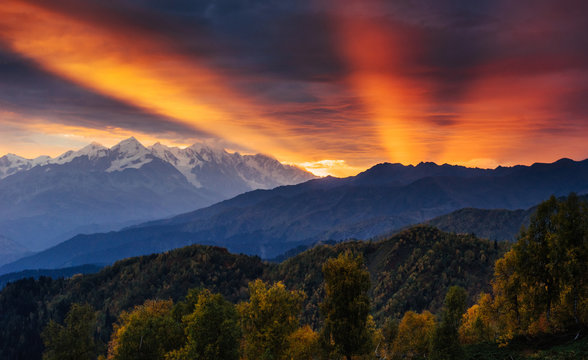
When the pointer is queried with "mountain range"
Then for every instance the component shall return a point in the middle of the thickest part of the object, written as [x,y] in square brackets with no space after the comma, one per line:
[47,200]
[375,202]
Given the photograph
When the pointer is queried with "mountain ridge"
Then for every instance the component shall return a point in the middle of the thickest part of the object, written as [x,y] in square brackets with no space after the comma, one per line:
[47,200]
[269,222]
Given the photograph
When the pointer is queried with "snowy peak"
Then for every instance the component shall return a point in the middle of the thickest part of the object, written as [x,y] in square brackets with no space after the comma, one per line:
[166,153]
[11,164]
[129,154]
[203,165]
[129,147]
[41,160]
[92,151]
[215,169]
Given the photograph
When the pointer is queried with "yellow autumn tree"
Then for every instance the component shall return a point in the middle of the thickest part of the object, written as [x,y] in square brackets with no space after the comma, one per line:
[303,344]
[147,332]
[479,322]
[268,319]
[414,337]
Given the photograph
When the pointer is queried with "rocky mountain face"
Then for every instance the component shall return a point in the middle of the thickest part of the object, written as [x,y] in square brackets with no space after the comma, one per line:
[46,200]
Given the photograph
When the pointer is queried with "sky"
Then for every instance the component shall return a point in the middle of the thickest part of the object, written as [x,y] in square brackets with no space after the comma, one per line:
[332,86]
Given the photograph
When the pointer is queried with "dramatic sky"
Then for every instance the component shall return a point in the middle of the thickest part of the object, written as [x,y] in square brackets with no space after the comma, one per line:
[334,86]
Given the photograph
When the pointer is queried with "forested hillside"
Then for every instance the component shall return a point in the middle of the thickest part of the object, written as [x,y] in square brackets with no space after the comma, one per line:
[421,293]
[410,270]
[493,224]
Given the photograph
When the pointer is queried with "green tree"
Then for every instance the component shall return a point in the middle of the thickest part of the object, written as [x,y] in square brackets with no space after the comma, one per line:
[446,338]
[212,330]
[146,333]
[75,340]
[571,248]
[540,285]
[346,306]
[187,305]
[268,319]
[534,258]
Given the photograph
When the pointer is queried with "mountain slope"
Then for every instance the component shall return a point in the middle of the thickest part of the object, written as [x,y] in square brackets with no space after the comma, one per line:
[495,224]
[269,222]
[10,250]
[411,270]
[45,201]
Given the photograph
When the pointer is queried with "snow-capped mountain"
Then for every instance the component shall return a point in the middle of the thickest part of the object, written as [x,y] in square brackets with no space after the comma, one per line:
[11,164]
[204,166]
[229,174]
[45,200]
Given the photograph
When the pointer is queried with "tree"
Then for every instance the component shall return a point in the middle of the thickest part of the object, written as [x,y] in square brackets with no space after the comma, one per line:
[389,333]
[75,340]
[540,285]
[534,256]
[446,338]
[551,257]
[268,319]
[415,334]
[303,344]
[146,333]
[346,306]
[212,330]
[571,249]
[478,323]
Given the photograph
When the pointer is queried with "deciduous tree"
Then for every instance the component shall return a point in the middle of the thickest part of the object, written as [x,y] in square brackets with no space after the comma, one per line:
[212,330]
[346,306]
[148,332]
[75,339]
[268,319]
[415,335]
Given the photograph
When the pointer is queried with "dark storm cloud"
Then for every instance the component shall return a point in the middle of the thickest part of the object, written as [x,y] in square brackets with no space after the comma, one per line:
[277,40]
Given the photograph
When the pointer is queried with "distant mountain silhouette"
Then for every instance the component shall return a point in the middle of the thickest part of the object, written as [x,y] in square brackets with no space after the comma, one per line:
[270,222]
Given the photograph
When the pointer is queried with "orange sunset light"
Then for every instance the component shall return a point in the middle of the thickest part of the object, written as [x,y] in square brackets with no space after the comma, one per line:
[331,87]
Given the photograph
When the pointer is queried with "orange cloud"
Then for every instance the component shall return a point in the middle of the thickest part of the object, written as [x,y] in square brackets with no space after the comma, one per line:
[503,109]
[142,73]
[412,84]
